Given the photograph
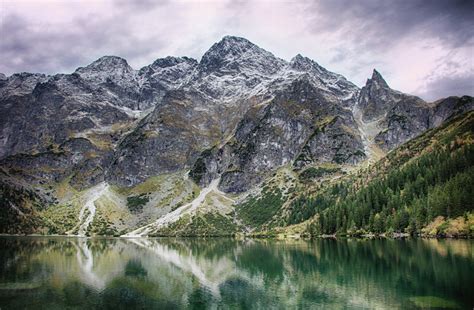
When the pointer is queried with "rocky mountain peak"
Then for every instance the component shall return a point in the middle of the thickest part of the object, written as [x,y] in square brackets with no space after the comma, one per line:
[333,84]
[107,64]
[302,63]
[376,80]
[171,69]
[229,46]
[376,97]
[232,53]
[171,61]
[20,84]
[110,70]
[163,75]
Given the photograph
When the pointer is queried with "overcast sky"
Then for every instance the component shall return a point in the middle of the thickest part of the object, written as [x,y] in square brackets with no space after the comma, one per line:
[423,47]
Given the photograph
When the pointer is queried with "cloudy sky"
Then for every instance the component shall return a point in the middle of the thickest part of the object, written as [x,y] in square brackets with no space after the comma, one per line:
[423,47]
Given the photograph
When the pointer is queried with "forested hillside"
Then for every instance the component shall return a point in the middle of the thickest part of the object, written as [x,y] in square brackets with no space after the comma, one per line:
[425,187]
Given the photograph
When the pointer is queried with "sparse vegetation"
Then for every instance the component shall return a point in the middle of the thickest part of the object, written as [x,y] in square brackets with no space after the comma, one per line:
[100,226]
[317,172]
[258,210]
[201,224]
[135,203]
[59,219]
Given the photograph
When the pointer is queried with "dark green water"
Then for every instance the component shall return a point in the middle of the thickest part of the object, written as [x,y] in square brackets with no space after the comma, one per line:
[77,273]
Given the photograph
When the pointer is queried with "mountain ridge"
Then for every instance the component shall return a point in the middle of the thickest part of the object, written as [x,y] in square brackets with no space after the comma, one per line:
[232,119]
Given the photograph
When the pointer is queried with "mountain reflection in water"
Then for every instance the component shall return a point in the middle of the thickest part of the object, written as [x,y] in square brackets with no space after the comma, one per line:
[147,273]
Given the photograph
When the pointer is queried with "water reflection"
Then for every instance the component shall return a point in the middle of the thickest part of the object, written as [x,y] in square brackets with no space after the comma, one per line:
[37,272]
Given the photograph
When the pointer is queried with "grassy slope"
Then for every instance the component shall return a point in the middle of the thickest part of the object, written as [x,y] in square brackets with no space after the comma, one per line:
[24,211]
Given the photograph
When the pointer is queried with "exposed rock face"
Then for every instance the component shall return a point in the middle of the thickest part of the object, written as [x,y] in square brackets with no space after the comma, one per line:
[407,120]
[333,140]
[376,98]
[402,117]
[449,107]
[113,75]
[234,79]
[238,114]
[333,86]
[76,158]
[273,134]
[163,75]
[238,55]
[165,141]
[56,108]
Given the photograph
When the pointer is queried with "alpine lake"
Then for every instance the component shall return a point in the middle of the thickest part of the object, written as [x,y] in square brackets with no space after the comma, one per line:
[224,273]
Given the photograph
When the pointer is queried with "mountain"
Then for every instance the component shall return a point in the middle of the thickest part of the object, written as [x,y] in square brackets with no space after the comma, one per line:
[191,147]
[400,116]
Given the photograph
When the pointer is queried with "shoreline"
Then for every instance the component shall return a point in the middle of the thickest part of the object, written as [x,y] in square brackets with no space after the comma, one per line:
[280,237]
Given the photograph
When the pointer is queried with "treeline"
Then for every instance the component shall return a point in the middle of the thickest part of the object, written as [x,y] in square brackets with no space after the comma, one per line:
[438,183]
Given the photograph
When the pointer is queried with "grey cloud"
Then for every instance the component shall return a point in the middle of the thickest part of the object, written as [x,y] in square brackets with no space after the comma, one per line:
[378,24]
[142,5]
[62,48]
[26,49]
[364,68]
[351,37]
[449,86]
[340,54]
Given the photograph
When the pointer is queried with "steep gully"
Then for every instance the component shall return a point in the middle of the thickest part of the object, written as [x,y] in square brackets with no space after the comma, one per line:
[368,131]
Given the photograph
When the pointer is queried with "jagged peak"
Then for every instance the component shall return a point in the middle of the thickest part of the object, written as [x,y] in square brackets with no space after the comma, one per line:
[28,74]
[300,58]
[230,48]
[230,44]
[303,63]
[235,39]
[183,64]
[172,61]
[377,79]
[106,63]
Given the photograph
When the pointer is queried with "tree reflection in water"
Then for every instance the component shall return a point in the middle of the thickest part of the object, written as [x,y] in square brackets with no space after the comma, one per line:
[57,272]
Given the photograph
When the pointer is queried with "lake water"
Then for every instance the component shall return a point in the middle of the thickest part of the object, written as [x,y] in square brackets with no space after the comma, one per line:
[80,273]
